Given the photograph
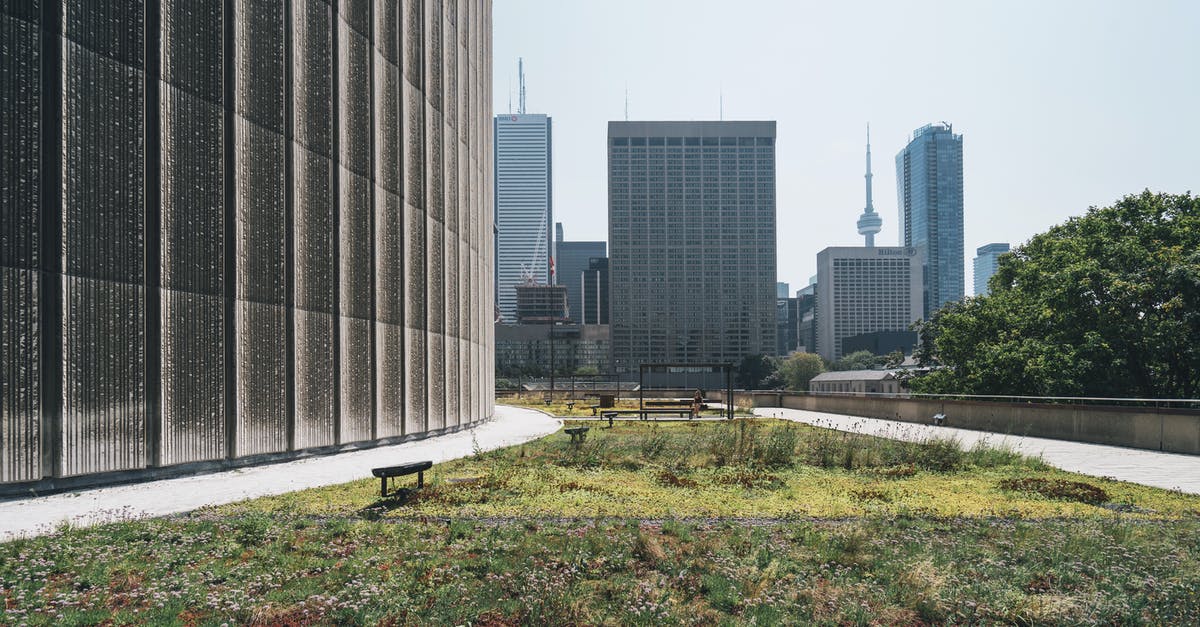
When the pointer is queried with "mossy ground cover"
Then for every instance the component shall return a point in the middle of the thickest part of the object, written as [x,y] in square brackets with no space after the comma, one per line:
[703,523]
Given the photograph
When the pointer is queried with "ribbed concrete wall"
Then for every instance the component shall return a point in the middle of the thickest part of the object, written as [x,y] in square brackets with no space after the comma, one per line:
[1158,429]
[235,228]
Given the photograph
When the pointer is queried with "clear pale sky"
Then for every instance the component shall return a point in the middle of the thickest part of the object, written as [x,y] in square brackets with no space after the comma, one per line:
[1062,104]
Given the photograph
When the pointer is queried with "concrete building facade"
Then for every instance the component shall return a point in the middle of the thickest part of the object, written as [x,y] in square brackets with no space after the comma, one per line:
[691,241]
[986,259]
[524,205]
[864,290]
[929,191]
[239,230]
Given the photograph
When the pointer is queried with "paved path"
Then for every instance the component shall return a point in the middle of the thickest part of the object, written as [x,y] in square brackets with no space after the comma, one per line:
[35,516]
[1160,470]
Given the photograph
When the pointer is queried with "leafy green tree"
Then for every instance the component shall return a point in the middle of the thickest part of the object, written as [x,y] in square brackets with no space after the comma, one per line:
[858,360]
[587,370]
[1107,304]
[799,368]
[754,370]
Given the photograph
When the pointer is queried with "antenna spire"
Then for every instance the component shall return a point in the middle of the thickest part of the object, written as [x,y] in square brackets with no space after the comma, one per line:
[869,223]
[521,77]
[627,103]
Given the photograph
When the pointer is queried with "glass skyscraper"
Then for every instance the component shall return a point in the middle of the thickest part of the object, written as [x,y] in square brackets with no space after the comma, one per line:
[929,190]
[524,214]
[691,224]
[986,258]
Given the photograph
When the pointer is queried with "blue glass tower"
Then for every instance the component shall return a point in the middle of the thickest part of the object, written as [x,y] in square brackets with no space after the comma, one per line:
[929,190]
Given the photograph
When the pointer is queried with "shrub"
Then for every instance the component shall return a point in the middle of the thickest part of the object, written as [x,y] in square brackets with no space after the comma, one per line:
[939,454]
[655,444]
[778,449]
[731,443]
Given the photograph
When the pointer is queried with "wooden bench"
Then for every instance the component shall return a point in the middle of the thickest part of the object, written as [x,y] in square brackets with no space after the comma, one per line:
[594,408]
[680,411]
[391,472]
[570,405]
[577,434]
[668,403]
[609,415]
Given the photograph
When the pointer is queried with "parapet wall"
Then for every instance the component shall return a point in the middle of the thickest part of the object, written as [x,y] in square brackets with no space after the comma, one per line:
[1158,429]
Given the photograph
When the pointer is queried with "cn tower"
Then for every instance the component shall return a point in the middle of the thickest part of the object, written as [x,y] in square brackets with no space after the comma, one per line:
[869,223]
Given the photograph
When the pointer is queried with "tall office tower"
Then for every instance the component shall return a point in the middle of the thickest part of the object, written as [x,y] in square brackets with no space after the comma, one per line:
[782,290]
[929,190]
[594,301]
[986,258]
[524,215]
[869,223]
[691,222]
[233,229]
[570,262]
[865,290]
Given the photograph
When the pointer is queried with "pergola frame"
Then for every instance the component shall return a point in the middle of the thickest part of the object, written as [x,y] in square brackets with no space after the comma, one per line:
[727,368]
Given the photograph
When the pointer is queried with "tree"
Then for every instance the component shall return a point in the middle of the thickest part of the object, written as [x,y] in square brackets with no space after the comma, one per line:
[587,370]
[754,370]
[1107,304]
[858,360]
[799,368]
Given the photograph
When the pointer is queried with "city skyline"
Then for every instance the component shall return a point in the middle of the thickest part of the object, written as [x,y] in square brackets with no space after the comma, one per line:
[1009,77]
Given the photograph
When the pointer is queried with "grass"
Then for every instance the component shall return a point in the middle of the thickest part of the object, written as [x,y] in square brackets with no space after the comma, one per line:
[750,522]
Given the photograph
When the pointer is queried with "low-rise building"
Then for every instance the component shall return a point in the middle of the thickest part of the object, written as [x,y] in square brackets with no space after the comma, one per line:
[857,382]
[529,350]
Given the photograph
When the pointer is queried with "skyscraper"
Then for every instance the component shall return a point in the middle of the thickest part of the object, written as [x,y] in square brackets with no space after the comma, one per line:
[691,241]
[986,258]
[869,223]
[865,290]
[929,194]
[238,229]
[570,262]
[524,215]
[594,295]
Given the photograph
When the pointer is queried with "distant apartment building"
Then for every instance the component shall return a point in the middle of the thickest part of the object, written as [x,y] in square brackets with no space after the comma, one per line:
[691,241]
[594,299]
[865,290]
[986,258]
[570,262]
[524,212]
[929,194]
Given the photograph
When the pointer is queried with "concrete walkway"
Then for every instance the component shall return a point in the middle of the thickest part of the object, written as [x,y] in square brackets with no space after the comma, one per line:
[1161,470]
[39,515]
